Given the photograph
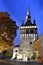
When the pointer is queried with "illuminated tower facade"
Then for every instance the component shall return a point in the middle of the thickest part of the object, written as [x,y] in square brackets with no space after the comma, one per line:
[28,34]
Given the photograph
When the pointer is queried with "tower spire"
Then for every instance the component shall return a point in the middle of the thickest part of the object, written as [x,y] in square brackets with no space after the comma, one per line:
[28,17]
[28,12]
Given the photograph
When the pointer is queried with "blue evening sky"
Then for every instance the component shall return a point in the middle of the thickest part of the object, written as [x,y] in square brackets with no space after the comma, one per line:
[18,11]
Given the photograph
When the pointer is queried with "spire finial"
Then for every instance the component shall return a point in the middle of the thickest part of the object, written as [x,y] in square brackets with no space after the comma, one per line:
[34,22]
[22,22]
[28,11]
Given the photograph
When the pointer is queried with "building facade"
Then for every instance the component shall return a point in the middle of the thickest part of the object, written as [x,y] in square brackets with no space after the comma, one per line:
[28,34]
[37,50]
[41,44]
[38,47]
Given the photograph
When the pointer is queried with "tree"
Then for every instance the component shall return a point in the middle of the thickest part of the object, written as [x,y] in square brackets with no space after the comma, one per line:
[8,29]
[7,54]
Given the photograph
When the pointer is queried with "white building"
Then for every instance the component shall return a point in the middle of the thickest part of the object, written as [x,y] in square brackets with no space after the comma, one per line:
[28,34]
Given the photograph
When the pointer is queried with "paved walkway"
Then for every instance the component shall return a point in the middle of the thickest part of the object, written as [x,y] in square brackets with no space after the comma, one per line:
[13,62]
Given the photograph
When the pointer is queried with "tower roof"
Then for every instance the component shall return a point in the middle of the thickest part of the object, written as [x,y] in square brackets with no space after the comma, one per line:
[28,18]
[17,46]
[28,12]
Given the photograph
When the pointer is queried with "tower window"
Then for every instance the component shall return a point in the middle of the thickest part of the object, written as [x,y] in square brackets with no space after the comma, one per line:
[31,31]
[30,42]
[26,31]
[16,51]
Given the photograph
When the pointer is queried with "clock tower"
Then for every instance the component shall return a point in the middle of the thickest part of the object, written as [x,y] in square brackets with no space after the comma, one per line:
[28,34]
